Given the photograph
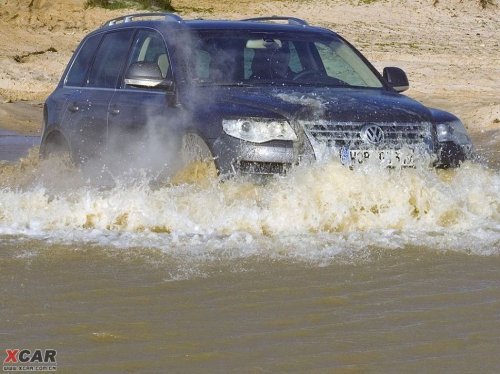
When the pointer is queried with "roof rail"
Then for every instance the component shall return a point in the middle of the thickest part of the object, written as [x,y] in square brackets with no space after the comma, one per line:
[291,20]
[130,17]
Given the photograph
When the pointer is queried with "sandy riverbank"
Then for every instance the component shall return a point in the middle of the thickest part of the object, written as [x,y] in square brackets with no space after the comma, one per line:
[449,48]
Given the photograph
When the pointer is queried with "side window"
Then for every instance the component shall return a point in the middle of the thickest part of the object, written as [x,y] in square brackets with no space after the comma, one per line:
[109,60]
[202,65]
[149,46]
[78,70]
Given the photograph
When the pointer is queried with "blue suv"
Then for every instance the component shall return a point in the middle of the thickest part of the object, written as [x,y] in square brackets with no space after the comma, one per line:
[252,96]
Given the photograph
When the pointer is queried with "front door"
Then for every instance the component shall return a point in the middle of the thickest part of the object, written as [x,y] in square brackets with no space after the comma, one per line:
[142,122]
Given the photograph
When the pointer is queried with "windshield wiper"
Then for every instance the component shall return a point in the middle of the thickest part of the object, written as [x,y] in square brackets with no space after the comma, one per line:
[222,84]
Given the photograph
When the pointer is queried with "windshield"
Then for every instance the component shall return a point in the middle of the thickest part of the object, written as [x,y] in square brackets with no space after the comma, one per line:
[280,59]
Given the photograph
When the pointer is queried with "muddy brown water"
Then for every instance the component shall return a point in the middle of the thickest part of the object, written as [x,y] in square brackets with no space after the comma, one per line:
[325,270]
[13,146]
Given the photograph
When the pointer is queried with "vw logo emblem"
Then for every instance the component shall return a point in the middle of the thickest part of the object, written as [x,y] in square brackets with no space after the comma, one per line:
[372,134]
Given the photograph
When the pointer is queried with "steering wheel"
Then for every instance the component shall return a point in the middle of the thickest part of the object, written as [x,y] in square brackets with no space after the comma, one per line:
[308,73]
[318,75]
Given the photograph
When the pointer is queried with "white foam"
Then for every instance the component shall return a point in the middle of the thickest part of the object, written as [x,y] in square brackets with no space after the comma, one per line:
[316,213]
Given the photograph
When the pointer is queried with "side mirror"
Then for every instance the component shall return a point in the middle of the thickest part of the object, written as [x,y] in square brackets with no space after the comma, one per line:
[146,74]
[396,78]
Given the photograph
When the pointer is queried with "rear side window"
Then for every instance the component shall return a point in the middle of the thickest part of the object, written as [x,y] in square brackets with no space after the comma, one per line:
[78,72]
[110,59]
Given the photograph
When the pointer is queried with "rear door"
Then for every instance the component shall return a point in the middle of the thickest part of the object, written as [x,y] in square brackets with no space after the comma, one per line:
[88,109]
[73,89]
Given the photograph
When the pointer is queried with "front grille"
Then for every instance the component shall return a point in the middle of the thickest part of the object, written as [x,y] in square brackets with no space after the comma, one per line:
[395,135]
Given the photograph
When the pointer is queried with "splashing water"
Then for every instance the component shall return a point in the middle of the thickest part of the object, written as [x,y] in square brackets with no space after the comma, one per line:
[315,212]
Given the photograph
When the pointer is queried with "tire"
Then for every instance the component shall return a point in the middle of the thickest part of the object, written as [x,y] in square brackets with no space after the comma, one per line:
[55,146]
[197,162]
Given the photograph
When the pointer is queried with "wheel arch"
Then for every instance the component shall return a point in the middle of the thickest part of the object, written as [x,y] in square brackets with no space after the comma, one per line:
[203,146]
[54,142]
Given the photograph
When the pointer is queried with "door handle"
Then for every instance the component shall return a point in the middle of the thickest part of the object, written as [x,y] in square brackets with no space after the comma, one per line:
[114,111]
[73,107]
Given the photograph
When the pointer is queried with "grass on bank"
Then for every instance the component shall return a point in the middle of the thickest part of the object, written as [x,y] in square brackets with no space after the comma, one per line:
[485,3]
[141,4]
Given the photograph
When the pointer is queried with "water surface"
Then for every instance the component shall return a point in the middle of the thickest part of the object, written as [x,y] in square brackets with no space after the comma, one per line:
[324,269]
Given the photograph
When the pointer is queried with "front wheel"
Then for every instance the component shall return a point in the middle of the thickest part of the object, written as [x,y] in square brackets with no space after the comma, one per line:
[197,162]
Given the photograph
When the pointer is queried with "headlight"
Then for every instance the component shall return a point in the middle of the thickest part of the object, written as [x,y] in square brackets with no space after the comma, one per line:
[259,130]
[453,132]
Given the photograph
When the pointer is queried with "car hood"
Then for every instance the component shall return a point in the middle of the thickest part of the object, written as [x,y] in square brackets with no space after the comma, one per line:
[306,103]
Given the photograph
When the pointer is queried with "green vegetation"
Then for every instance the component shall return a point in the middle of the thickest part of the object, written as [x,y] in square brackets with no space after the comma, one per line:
[485,3]
[141,4]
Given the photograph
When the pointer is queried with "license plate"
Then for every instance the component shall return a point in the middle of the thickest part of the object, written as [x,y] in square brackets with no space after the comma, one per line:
[387,157]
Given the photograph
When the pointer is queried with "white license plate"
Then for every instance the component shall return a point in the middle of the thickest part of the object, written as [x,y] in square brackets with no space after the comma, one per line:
[388,157]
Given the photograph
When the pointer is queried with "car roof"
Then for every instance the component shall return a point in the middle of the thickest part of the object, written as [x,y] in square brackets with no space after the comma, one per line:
[162,21]
[250,25]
